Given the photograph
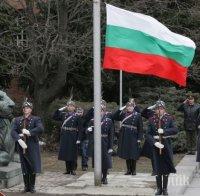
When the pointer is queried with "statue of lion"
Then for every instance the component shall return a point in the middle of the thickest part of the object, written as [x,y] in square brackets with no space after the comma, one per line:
[7,145]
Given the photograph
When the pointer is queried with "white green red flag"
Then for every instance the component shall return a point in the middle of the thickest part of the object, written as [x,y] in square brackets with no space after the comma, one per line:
[138,43]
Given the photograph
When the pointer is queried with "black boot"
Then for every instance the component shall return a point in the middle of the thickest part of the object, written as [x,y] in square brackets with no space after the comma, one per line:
[133,167]
[67,165]
[165,183]
[32,183]
[73,167]
[104,181]
[153,173]
[84,168]
[128,164]
[26,183]
[153,170]
[73,173]
[67,172]
[159,185]
[104,178]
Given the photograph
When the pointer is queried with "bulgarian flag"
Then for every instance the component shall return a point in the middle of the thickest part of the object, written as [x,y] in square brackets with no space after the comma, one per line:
[138,43]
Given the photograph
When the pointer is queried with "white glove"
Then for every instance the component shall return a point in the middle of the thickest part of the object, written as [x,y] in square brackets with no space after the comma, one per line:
[122,108]
[159,145]
[41,143]
[160,131]
[21,135]
[152,107]
[78,142]
[199,127]
[22,143]
[89,129]
[26,132]
[139,141]
[63,108]
[156,137]
[110,150]
[186,101]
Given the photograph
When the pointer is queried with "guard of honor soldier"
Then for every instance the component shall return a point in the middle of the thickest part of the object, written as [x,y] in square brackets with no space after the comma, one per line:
[107,128]
[198,139]
[191,112]
[147,151]
[77,128]
[25,131]
[161,128]
[83,139]
[70,134]
[130,136]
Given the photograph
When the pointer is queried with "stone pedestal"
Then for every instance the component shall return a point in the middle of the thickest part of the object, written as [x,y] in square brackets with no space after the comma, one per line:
[16,158]
[10,175]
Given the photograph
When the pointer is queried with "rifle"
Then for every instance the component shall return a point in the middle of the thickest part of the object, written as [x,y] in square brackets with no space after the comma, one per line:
[160,135]
[26,158]
[159,122]
[24,136]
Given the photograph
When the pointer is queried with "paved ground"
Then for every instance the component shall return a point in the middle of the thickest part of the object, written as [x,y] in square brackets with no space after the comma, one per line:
[194,187]
[55,183]
[186,169]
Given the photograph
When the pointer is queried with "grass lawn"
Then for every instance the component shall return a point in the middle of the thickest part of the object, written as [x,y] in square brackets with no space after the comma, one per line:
[50,162]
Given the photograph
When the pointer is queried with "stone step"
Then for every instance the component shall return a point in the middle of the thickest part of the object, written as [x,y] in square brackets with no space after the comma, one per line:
[10,175]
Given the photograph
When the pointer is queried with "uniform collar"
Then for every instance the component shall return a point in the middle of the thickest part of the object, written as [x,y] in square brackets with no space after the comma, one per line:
[163,115]
[130,113]
[29,117]
[103,116]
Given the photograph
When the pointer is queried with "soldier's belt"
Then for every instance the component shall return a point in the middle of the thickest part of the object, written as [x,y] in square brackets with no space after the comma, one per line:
[163,137]
[129,126]
[69,129]
[104,135]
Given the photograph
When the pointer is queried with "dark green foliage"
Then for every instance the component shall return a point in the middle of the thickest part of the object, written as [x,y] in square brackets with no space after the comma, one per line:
[179,143]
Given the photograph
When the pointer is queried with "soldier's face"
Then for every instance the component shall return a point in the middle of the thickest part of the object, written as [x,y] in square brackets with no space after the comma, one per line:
[80,113]
[71,108]
[27,110]
[160,111]
[129,108]
[103,107]
[102,112]
[191,101]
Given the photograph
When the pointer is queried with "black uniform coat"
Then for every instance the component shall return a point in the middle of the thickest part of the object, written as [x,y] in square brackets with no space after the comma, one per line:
[198,149]
[86,118]
[198,139]
[163,164]
[147,151]
[69,134]
[34,125]
[128,147]
[90,115]
[106,141]
[191,113]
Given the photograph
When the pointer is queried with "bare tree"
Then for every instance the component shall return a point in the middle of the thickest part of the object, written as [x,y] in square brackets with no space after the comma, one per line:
[44,47]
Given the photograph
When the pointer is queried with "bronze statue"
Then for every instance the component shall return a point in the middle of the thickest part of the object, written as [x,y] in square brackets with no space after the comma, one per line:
[7,144]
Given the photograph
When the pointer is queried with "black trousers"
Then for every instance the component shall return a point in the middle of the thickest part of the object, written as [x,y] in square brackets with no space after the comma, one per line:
[71,165]
[104,173]
[191,138]
[131,165]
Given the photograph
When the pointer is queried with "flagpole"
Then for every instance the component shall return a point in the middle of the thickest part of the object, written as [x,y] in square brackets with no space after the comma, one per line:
[97,91]
[120,88]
